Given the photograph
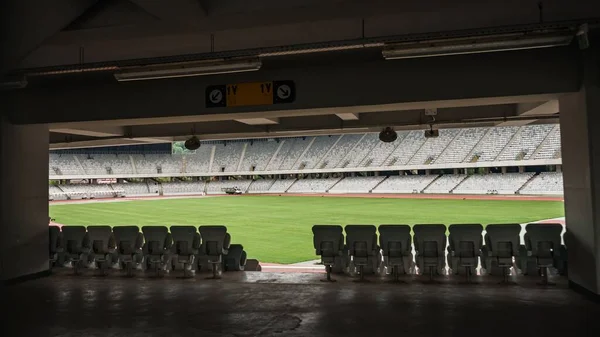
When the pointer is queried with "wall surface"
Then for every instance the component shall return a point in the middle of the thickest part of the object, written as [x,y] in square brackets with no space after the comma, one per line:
[24,200]
[581,174]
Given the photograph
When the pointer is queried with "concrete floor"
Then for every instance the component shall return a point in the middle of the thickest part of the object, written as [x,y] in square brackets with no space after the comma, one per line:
[291,304]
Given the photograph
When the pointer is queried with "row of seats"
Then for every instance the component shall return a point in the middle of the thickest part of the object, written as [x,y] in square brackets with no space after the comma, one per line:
[156,248]
[498,251]
[336,151]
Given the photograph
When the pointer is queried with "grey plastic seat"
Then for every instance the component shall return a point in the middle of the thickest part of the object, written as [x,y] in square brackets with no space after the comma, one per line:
[430,246]
[395,242]
[55,247]
[157,248]
[464,248]
[543,246]
[361,241]
[76,246]
[328,241]
[501,246]
[215,242]
[186,244]
[235,259]
[102,246]
[129,241]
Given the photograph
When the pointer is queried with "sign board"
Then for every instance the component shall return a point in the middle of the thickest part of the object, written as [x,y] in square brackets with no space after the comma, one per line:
[249,94]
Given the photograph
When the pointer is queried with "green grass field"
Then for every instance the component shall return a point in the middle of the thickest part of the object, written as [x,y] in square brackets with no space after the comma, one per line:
[278,229]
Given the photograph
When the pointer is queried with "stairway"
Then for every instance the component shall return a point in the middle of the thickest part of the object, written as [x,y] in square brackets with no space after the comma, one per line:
[518,191]
[379,183]
[436,178]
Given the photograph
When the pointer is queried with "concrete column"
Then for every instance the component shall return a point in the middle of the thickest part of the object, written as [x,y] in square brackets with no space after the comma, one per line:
[579,119]
[427,172]
[455,171]
[558,168]
[504,168]
[521,169]
[24,199]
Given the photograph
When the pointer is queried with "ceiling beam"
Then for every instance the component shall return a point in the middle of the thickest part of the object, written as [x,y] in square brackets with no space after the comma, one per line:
[533,109]
[97,131]
[348,116]
[259,121]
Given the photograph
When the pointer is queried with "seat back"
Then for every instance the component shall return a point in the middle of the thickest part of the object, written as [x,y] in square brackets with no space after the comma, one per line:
[429,240]
[502,240]
[543,240]
[466,240]
[328,240]
[74,238]
[361,240]
[213,239]
[128,239]
[186,240]
[156,239]
[395,240]
[101,239]
[54,233]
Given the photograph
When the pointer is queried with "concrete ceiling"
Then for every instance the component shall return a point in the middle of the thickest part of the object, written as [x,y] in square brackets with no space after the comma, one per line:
[50,35]
[75,32]
[450,114]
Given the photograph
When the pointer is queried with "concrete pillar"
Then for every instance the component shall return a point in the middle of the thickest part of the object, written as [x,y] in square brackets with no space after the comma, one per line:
[579,119]
[455,171]
[504,168]
[521,169]
[558,168]
[24,199]
[427,172]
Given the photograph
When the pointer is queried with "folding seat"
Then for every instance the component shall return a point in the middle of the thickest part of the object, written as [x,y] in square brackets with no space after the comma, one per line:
[102,244]
[543,248]
[430,245]
[215,243]
[363,250]
[129,241]
[157,248]
[186,244]
[464,248]
[235,259]
[55,244]
[395,242]
[328,241]
[76,248]
[501,246]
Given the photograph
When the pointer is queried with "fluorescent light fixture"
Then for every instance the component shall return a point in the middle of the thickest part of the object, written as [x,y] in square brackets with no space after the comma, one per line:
[14,83]
[188,69]
[475,45]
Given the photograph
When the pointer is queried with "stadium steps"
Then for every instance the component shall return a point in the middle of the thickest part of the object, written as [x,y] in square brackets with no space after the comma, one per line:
[414,154]
[546,138]
[212,157]
[343,160]
[274,154]
[292,184]
[80,165]
[133,164]
[469,157]
[460,183]
[239,165]
[431,182]
[299,160]
[387,161]
[379,183]
[327,153]
[506,146]
[458,134]
[332,186]
[518,191]
[362,162]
